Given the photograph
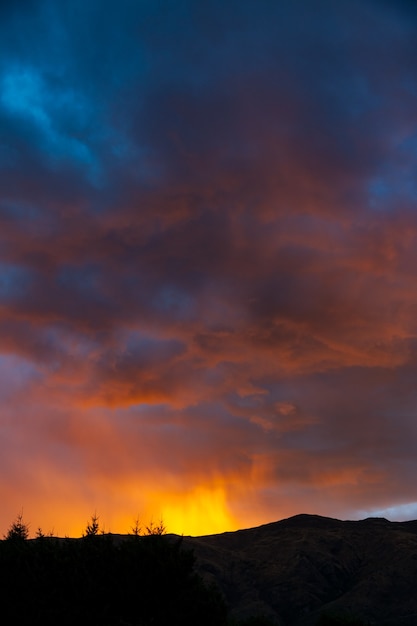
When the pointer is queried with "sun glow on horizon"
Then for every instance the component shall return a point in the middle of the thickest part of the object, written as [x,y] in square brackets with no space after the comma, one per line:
[203,511]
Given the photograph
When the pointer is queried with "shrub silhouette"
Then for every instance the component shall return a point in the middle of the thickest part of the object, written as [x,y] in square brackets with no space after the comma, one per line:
[156,529]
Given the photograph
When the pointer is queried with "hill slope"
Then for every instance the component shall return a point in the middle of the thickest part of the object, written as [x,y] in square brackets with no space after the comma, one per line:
[294,569]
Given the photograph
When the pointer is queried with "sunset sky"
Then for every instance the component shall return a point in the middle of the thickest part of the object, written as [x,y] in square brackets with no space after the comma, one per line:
[208,261]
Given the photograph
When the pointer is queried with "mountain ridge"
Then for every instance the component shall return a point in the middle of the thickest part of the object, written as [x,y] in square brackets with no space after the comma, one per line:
[294,569]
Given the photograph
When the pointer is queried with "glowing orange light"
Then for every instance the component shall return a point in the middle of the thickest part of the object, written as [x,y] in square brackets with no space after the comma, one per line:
[203,511]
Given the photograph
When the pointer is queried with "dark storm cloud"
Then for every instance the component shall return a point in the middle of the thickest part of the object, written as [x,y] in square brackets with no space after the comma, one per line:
[207,243]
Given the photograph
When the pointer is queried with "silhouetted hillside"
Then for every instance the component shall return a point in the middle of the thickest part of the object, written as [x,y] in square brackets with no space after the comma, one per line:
[99,581]
[295,569]
[303,571]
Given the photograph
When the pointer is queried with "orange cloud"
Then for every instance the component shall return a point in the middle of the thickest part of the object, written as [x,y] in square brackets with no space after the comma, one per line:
[207,289]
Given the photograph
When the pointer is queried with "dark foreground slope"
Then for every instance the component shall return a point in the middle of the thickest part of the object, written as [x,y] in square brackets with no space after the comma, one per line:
[104,581]
[294,572]
[295,569]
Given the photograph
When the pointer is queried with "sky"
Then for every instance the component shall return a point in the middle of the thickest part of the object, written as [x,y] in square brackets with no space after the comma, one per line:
[208,262]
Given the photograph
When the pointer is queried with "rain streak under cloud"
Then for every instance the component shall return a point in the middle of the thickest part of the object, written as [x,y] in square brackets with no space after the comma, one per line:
[208,253]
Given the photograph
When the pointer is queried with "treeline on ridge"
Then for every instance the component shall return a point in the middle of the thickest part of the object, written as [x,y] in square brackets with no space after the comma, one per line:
[101,579]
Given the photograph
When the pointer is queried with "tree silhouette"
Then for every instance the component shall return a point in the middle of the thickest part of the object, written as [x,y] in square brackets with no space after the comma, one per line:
[18,530]
[93,527]
[136,528]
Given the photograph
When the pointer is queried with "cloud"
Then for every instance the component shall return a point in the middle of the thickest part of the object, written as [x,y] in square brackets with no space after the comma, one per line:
[207,243]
